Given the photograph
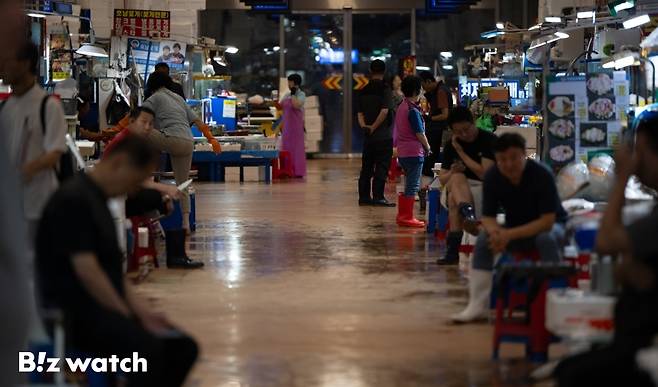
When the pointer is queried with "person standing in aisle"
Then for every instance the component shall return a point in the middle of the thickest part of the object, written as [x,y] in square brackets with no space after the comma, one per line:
[534,218]
[374,104]
[292,138]
[440,104]
[15,293]
[174,86]
[80,272]
[35,147]
[412,148]
[173,118]
[466,158]
[396,87]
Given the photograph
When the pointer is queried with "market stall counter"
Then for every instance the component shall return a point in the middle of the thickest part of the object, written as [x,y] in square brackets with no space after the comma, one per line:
[244,158]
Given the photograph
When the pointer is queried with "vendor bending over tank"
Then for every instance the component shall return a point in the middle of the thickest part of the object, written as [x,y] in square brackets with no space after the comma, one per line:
[534,218]
[466,158]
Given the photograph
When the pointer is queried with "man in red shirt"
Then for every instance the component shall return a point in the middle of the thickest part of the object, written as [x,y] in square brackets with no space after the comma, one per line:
[140,122]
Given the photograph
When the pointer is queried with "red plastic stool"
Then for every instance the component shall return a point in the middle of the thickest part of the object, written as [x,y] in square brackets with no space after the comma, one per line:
[394,171]
[528,300]
[282,167]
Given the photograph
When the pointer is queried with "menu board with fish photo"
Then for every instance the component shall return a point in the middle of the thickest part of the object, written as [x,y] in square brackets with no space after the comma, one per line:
[562,106]
[562,129]
[594,135]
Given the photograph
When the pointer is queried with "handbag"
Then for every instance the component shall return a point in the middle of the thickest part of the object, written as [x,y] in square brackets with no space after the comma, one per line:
[117,108]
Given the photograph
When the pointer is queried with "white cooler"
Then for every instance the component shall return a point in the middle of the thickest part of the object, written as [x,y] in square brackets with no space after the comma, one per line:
[575,314]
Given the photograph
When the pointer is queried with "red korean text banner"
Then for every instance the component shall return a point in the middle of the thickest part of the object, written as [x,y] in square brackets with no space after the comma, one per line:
[142,23]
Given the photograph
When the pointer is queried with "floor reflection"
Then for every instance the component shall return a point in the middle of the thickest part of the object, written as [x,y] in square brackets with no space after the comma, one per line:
[302,287]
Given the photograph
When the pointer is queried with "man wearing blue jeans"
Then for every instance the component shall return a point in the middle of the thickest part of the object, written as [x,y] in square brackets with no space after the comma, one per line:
[534,218]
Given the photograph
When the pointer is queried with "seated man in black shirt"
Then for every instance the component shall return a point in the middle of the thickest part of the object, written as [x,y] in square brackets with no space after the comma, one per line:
[636,311]
[79,265]
[466,158]
[534,218]
[373,115]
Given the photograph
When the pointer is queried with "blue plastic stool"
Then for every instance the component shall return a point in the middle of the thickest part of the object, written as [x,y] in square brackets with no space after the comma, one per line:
[437,218]
[175,220]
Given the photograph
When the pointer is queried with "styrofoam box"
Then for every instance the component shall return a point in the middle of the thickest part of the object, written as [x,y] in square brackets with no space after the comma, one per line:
[313,136]
[529,133]
[310,112]
[569,312]
[312,146]
[232,174]
[313,122]
[312,101]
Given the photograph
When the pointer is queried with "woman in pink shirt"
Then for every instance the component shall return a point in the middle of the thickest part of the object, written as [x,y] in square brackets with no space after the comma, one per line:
[412,148]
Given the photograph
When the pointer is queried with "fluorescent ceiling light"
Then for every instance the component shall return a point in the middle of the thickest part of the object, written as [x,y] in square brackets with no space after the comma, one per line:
[39,15]
[92,50]
[446,54]
[623,6]
[220,61]
[637,21]
[422,68]
[585,15]
[553,19]
[609,65]
[500,26]
[448,67]
[232,50]
[625,61]
[538,44]
[275,48]
[535,27]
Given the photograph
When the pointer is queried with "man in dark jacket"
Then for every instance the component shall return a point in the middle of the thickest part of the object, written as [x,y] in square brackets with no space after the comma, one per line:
[374,105]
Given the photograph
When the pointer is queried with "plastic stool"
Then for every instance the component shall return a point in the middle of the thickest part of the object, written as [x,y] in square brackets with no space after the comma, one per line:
[437,215]
[282,167]
[521,288]
[138,251]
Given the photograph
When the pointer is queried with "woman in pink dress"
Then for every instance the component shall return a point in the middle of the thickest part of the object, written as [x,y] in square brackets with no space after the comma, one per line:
[293,125]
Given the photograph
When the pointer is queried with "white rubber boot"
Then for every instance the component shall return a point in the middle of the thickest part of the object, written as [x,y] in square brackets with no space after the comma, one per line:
[479,291]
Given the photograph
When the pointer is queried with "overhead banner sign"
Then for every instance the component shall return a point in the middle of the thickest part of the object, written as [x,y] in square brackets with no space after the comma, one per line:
[148,53]
[142,23]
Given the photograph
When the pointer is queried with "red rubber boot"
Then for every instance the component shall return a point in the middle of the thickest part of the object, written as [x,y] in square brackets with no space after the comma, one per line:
[405,216]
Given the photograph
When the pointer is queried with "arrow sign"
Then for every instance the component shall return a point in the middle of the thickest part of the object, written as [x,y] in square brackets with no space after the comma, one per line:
[332,82]
[360,81]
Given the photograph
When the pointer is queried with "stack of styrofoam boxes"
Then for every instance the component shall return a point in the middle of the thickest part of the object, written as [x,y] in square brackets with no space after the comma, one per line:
[314,124]
[529,133]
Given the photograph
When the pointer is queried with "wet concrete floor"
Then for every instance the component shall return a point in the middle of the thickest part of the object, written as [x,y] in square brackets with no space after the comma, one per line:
[302,287]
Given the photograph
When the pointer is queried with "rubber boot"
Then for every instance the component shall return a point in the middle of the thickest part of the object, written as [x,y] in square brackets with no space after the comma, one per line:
[176,256]
[453,242]
[479,291]
[405,216]
[422,198]
[471,225]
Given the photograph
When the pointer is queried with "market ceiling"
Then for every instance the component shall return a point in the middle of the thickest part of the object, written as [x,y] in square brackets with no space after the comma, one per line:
[445,6]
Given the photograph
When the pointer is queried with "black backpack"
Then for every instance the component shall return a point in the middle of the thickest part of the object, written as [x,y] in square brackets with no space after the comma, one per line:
[66,165]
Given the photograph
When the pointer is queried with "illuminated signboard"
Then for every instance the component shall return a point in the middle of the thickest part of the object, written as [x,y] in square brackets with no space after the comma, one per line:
[469,87]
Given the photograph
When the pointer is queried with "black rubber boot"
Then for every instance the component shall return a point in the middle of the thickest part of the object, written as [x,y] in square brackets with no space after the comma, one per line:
[176,256]
[471,224]
[422,199]
[453,241]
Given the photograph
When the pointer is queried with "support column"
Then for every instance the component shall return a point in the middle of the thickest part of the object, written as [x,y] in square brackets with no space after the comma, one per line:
[282,46]
[413,31]
[347,81]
